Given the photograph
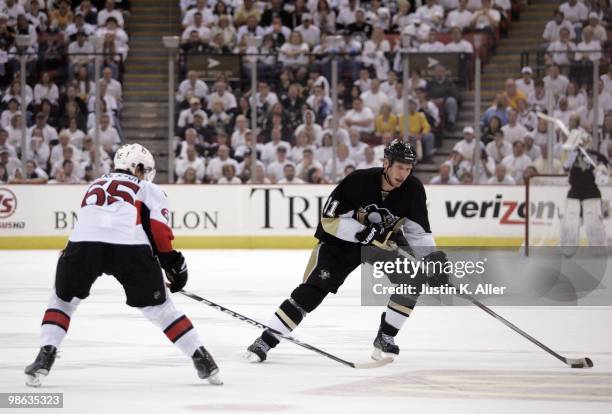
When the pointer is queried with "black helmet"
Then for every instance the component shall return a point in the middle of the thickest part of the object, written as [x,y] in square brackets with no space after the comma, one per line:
[400,151]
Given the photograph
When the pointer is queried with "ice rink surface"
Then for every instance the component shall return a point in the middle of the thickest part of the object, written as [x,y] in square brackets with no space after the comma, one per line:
[453,359]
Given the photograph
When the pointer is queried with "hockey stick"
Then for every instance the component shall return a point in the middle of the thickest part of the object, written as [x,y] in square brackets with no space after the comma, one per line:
[572,362]
[362,365]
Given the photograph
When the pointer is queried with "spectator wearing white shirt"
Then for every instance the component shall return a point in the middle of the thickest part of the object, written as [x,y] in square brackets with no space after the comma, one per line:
[599,31]
[432,45]
[110,11]
[458,44]
[199,26]
[532,150]
[46,89]
[269,150]
[460,17]
[49,133]
[292,53]
[541,163]
[587,113]
[605,99]
[81,51]
[486,18]
[308,162]
[555,81]
[369,160]
[109,137]
[342,161]
[467,145]
[57,150]
[275,170]
[289,176]
[346,14]
[375,97]
[431,13]
[120,37]
[228,172]
[589,50]
[238,136]
[444,176]
[113,86]
[360,117]
[356,146]
[37,149]
[526,117]
[9,112]
[264,98]
[525,83]
[221,93]
[189,177]
[311,34]
[517,162]
[250,29]
[513,131]
[553,28]
[499,148]
[606,79]
[501,176]
[561,51]
[4,144]
[576,12]
[202,7]
[186,115]
[214,169]
[192,86]
[191,160]
[12,9]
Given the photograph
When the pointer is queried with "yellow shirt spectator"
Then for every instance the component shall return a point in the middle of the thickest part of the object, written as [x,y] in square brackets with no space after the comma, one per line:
[417,124]
[386,122]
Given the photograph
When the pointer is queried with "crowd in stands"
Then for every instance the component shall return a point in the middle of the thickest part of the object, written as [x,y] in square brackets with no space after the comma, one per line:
[514,140]
[294,126]
[59,107]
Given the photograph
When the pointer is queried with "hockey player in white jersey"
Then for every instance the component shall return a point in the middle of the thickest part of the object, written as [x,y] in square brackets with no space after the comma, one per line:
[123,231]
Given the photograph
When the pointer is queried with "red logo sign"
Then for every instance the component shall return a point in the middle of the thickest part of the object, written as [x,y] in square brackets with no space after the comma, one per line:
[8,203]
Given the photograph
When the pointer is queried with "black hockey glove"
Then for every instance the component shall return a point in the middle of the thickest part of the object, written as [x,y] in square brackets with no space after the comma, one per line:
[436,262]
[379,234]
[176,269]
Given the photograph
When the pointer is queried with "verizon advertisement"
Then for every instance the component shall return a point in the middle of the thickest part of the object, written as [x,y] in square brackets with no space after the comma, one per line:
[247,211]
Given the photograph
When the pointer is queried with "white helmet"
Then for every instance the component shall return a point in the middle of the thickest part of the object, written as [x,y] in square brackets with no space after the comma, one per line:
[128,157]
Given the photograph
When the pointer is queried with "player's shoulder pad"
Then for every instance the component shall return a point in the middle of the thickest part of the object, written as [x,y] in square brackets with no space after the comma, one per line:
[153,189]
[413,183]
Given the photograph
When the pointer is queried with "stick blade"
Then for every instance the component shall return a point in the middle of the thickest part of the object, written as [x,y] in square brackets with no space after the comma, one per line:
[373,364]
[579,362]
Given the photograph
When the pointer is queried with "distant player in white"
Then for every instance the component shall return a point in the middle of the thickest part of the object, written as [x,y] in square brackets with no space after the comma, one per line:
[123,231]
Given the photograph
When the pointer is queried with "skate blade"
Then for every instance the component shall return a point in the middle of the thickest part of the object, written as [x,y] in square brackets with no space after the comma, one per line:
[378,355]
[33,380]
[214,378]
[252,357]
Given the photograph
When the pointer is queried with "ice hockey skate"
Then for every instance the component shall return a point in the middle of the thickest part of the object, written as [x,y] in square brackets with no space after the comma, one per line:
[41,366]
[206,366]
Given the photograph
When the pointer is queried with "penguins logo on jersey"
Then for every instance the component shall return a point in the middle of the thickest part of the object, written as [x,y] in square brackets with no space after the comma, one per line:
[324,274]
[374,214]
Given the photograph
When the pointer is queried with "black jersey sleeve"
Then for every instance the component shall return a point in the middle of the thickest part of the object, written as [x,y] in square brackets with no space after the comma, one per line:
[338,212]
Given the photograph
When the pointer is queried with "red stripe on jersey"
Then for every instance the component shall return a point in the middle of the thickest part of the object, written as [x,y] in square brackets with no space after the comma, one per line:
[162,234]
[138,205]
[178,328]
[56,317]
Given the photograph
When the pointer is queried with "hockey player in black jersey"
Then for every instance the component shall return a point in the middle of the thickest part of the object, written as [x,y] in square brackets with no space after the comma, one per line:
[368,207]
[588,169]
